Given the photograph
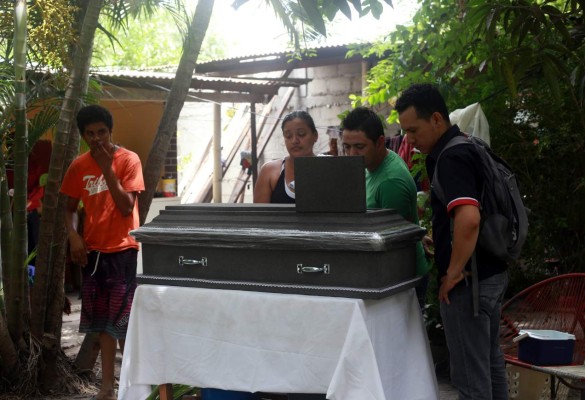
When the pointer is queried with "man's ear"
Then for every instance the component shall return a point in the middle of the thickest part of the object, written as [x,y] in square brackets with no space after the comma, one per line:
[437,119]
[381,141]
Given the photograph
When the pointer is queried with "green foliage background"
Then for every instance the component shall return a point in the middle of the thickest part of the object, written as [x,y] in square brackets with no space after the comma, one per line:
[153,43]
[524,62]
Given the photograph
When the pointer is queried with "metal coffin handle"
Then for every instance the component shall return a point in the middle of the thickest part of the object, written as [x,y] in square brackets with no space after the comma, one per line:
[188,262]
[325,269]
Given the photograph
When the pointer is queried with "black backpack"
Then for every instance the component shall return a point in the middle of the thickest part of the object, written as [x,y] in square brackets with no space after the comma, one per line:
[504,219]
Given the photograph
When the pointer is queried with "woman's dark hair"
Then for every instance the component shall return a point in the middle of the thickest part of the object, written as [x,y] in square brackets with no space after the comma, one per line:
[300,115]
[426,100]
[92,114]
[365,120]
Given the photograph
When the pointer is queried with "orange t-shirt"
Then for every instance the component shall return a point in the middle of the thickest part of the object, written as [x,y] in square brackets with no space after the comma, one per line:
[105,229]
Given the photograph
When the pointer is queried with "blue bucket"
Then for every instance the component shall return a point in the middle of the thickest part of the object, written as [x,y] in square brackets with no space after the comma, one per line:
[219,394]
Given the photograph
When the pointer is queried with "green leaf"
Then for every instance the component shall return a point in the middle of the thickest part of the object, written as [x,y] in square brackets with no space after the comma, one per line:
[238,3]
[508,73]
[43,121]
[538,14]
[525,27]
[559,23]
[575,74]
[376,8]
[357,4]
[343,6]
[310,7]
[43,179]
[551,76]
[490,24]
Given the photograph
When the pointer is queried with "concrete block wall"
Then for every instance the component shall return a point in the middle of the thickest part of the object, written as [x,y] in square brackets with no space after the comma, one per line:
[170,167]
[325,97]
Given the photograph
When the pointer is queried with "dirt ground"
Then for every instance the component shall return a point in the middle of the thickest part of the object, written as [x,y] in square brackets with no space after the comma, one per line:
[71,341]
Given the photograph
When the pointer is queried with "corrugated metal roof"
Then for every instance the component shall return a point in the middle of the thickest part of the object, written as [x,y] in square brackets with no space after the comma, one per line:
[280,61]
[197,80]
[277,54]
[201,88]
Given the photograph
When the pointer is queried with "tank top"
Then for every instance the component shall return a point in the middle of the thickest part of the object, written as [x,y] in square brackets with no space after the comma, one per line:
[281,193]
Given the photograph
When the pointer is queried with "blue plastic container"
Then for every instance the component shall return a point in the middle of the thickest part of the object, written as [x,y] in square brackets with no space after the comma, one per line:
[219,394]
[546,352]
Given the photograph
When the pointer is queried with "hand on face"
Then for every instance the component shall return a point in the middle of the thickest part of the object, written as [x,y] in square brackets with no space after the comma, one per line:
[103,155]
[98,137]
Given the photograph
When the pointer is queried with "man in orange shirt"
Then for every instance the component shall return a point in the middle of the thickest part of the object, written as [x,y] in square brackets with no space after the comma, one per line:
[107,180]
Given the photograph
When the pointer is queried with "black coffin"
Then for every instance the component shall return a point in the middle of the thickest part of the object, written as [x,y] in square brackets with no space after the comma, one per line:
[273,248]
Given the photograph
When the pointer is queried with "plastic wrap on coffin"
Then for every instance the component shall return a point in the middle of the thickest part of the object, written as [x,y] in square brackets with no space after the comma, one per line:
[273,248]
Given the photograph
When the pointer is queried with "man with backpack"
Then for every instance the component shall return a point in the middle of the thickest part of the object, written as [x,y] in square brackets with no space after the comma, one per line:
[471,320]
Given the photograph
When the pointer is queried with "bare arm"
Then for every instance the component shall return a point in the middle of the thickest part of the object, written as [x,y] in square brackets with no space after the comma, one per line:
[76,243]
[265,184]
[465,233]
[124,200]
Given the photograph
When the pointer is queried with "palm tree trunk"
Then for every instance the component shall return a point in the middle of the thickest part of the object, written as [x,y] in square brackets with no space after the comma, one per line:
[5,229]
[8,367]
[48,295]
[174,104]
[16,304]
[65,144]
[8,354]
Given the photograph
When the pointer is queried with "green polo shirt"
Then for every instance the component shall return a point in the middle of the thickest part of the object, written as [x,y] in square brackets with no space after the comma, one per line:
[392,186]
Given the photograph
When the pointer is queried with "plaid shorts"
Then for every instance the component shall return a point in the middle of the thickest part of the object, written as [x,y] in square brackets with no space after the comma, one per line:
[109,282]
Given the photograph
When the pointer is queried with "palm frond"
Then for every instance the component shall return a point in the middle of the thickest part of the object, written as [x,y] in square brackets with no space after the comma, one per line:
[43,121]
[180,16]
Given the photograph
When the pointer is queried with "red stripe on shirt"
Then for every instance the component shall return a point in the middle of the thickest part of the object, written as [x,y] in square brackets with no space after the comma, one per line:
[460,201]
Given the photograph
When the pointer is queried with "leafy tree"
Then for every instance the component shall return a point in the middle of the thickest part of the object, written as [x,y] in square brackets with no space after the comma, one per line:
[47,46]
[17,95]
[310,13]
[16,304]
[523,61]
[154,43]
[41,339]
[35,329]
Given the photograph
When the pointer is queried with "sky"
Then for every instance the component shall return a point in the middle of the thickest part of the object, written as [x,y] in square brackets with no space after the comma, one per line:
[259,31]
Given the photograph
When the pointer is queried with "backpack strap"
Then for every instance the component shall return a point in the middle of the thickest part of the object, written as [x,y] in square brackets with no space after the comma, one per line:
[435,184]
[440,193]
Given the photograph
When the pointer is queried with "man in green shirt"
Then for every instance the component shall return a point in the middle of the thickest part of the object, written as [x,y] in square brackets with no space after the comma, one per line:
[388,181]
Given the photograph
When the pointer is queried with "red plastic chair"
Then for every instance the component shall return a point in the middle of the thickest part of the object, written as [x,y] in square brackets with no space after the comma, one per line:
[556,303]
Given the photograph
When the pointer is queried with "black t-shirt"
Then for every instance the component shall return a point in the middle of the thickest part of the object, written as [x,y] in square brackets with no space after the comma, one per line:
[462,181]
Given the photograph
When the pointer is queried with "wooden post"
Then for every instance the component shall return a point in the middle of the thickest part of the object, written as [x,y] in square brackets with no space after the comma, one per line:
[217,167]
[254,141]
[166,391]
[88,352]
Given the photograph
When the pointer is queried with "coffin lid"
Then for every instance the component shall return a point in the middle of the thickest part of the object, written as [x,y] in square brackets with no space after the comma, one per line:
[277,226]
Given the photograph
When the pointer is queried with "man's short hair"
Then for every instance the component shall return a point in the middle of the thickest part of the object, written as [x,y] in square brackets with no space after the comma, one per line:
[92,114]
[426,100]
[365,120]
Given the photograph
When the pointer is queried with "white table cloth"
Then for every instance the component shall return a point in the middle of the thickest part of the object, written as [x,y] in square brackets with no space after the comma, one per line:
[351,349]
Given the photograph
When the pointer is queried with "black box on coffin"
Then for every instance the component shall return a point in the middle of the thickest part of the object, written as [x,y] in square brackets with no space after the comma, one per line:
[330,184]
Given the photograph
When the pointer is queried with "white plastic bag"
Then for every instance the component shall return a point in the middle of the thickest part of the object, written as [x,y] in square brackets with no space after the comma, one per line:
[472,120]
